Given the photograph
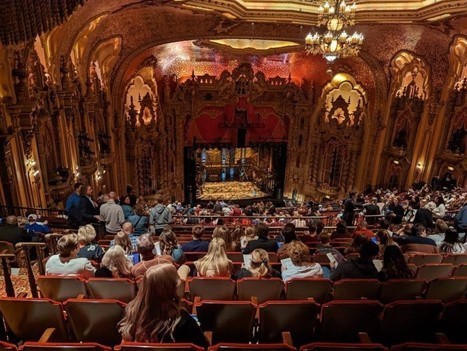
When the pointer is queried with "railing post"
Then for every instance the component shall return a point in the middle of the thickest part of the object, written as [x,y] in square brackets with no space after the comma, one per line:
[25,246]
[5,258]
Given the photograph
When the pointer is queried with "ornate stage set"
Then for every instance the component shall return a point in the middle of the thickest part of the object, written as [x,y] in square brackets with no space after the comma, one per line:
[213,116]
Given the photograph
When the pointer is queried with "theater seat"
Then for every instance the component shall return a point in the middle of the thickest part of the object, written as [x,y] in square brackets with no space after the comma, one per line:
[111,288]
[45,346]
[135,346]
[404,321]
[27,319]
[262,288]
[229,321]
[342,320]
[331,346]
[297,317]
[212,288]
[455,259]
[402,289]
[434,270]
[421,259]
[61,288]
[460,271]
[453,321]
[447,289]
[4,346]
[304,288]
[251,347]
[95,320]
[350,289]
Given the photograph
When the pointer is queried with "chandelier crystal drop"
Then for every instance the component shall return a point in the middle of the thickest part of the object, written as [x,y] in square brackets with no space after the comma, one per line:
[335,42]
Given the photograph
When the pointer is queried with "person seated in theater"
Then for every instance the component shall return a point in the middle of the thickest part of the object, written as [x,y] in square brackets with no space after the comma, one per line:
[286,236]
[451,244]
[115,264]
[438,233]
[66,262]
[383,241]
[197,244]
[224,232]
[259,267]
[417,242]
[312,235]
[424,215]
[248,235]
[13,234]
[156,314]
[341,231]
[215,263]
[325,247]
[356,246]
[302,265]
[145,247]
[363,230]
[394,265]
[360,268]
[35,226]
[262,231]
[87,249]
[168,245]
[125,238]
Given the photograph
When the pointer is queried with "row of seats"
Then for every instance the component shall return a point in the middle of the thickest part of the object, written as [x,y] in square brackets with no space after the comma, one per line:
[244,321]
[34,346]
[320,290]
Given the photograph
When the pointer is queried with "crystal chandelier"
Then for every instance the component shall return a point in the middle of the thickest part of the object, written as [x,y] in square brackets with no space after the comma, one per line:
[335,42]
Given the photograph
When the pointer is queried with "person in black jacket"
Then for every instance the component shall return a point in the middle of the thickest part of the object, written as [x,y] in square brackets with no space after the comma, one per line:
[349,209]
[156,314]
[424,216]
[360,268]
[88,210]
[11,233]
[262,231]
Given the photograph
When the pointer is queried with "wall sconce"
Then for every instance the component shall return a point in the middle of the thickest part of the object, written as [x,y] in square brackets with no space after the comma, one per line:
[451,168]
[396,162]
[31,168]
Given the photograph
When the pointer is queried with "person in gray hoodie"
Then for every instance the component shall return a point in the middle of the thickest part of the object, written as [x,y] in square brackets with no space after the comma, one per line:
[160,216]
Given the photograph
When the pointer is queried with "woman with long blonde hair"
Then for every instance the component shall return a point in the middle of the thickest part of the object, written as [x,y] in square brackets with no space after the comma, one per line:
[249,234]
[123,240]
[215,263]
[115,264]
[259,266]
[156,314]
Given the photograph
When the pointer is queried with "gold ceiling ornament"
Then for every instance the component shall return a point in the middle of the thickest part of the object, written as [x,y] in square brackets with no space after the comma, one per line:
[336,16]
[23,20]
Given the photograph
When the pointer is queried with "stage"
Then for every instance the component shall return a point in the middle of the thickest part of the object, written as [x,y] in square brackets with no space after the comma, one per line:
[230,190]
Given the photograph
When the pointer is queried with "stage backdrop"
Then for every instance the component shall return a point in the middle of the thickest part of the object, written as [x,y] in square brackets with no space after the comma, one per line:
[236,124]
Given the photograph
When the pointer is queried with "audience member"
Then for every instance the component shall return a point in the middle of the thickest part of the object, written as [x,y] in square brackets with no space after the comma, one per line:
[356,245]
[325,247]
[394,265]
[384,240]
[360,268]
[168,245]
[259,266]
[72,206]
[115,264]
[87,249]
[417,242]
[13,234]
[35,226]
[126,239]
[139,220]
[197,244]
[160,216]
[215,263]
[66,262]
[461,219]
[112,214]
[451,244]
[262,231]
[341,231]
[156,314]
[424,216]
[302,265]
[363,230]
[125,202]
[249,235]
[440,210]
[88,210]
[224,232]
[438,233]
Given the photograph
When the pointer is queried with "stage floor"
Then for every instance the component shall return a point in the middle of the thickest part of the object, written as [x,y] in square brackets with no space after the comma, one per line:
[230,191]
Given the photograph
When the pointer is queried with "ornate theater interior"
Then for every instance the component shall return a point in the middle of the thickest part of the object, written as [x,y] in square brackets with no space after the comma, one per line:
[201,99]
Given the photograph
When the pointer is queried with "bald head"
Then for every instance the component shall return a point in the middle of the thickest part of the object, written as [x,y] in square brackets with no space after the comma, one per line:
[112,195]
[12,220]
[127,227]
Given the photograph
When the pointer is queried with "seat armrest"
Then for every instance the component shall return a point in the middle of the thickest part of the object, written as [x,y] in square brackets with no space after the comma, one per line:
[287,338]
[46,335]
[364,338]
[442,338]
[208,335]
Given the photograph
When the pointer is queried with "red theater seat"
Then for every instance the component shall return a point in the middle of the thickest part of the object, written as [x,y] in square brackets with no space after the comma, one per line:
[61,288]
[447,289]
[434,270]
[453,321]
[111,288]
[212,288]
[262,288]
[413,346]
[350,289]
[304,288]
[324,346]
[251,347]
[135,346]
[4,346]
[421,259]
[402,289]
[45,346]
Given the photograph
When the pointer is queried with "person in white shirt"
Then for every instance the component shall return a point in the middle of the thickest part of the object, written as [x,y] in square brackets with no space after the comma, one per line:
[440,209]
[112,214]
[67,262]
[302,265]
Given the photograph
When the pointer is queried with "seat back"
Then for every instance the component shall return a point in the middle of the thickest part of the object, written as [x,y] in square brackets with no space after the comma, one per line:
[447,289]
[455,259]
[402,289]
[297,317]
[460,271]
[27,319]
[229,321]
[331,346]
[343,320]
[111,288]
[61,288]
[135,346]
[251,347]
[418,346]
[434,270]
[46,346]
[350,289]
[263,289]
[304,288]
[95,320]
[4,346]
[413,320]
[421,259]
[453,321]
[212,288]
